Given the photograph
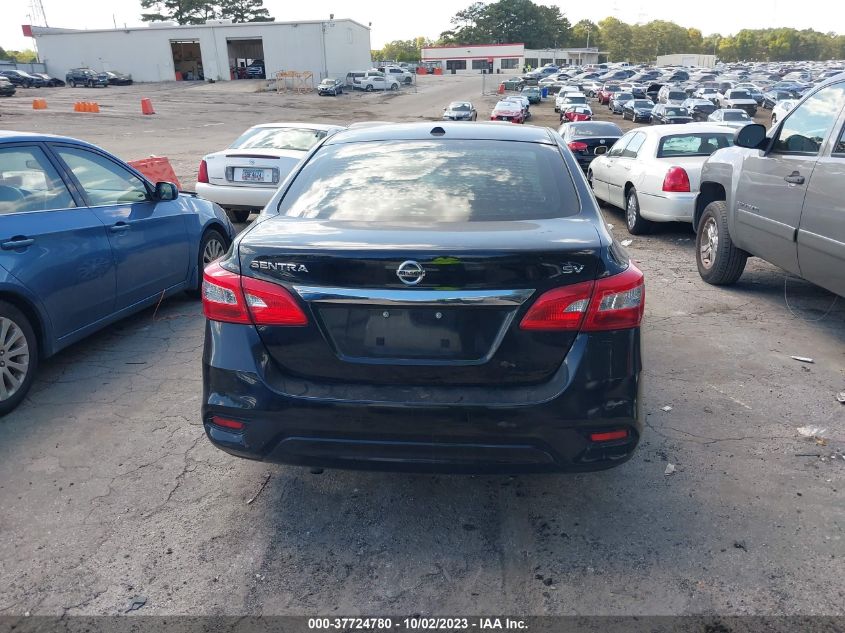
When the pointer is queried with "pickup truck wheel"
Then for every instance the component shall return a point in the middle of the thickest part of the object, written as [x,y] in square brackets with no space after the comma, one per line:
[238,216]
[18,356]
[720,263]
[71,83]
[637,224]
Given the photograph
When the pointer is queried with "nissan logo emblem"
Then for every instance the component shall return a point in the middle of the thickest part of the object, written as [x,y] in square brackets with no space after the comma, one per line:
[410,273]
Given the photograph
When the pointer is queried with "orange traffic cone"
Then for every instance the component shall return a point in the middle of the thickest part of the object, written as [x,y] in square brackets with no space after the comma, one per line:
[95,107]
[77,107]
[501,89]
[147,106]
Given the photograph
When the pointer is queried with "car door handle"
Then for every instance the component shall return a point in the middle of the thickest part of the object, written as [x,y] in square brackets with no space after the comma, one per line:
[794,178]
[16,243]
[119,227]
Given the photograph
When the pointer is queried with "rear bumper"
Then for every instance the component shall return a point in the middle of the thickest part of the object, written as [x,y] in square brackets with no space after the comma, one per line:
[240,197]
[540,428]
[668,207]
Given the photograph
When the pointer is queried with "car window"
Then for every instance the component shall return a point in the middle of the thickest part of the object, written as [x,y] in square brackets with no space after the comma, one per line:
[698,144]
[634,146]
[807,125]
[29,182]
[619,146]
[432,181]
[839,145]
[103,180]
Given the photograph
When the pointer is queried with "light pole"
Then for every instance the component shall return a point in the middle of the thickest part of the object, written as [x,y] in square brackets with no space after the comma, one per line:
[588,38]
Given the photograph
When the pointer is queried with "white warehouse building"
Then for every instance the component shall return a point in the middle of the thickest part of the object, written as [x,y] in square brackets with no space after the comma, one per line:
[503,58]
[214,50]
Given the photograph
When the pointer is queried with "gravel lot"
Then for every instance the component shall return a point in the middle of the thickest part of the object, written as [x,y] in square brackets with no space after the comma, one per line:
[109,489]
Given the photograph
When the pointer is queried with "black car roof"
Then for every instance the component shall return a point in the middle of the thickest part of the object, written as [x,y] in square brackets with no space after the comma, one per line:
[429,130]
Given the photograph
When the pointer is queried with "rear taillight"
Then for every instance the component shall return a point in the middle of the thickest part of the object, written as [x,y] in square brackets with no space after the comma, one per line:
[676,180]
[559,309]
[611,303]
[270,304]
[222,298]
[577,146]
[618,302]
[202,174]
[228,297]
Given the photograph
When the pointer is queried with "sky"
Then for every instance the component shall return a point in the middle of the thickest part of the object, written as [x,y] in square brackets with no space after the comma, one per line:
[394,20]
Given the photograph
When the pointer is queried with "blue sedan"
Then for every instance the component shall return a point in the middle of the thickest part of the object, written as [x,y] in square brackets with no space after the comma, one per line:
[86,240]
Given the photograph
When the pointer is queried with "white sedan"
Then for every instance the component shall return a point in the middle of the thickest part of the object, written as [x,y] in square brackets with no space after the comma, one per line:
[653,173]
[781,108]
[243,177]
[733,118]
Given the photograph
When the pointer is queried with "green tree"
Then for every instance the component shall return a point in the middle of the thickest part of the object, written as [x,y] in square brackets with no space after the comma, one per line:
[616,38]
[245,11]
[584,33]
[25,56]
[508,21]
[402,50]
[179,11]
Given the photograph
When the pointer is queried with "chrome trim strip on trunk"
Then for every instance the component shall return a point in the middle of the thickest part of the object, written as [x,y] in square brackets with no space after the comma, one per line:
[375,296]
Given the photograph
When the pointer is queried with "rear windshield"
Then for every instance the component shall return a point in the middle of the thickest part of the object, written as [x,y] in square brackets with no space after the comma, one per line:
[301,139]
[433,181]
[596,129]
[740,94]
[677,94]
[735,116]
[700,144]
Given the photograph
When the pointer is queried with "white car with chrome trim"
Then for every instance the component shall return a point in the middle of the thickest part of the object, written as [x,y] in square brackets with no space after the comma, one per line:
[653,173]
[243,177]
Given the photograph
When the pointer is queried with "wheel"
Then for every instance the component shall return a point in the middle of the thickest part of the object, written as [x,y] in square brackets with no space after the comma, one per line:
[212,247]
[369,88]
[774,118]
[720,263]
[71,83]
[238,216]
[18,356]
[90,83]
[637,224]
[394,86]
[590,178]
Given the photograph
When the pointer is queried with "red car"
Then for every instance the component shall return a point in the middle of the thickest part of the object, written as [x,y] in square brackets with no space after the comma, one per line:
[508,111]
[606,93]
[576,113]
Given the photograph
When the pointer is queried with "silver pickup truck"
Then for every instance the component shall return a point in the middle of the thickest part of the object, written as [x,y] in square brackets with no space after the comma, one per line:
[780,197]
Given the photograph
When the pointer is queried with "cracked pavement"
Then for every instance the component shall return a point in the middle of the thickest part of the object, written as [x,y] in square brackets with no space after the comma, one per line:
[109,489]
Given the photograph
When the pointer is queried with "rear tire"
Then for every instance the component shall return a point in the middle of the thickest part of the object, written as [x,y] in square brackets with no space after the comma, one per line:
[18,357]
[636,223]
[212,247]
[368,88]
[720,263]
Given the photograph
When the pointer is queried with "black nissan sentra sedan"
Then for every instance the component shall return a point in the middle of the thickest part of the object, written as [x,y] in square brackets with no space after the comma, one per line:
[428,296]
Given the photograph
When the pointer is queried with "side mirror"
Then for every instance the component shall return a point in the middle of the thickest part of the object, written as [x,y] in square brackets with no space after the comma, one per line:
[166,191]
[752,136]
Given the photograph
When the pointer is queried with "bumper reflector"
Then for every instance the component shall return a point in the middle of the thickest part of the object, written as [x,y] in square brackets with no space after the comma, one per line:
[609,436]
[226,423]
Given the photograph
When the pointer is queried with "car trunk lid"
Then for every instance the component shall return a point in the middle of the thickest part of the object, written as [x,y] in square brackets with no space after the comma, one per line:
[453,320]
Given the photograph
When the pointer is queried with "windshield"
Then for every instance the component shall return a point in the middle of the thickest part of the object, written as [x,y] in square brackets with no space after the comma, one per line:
[432,181]
[677,94]
[641,103]
[301,139]
[740,94]
[699,144]
[676,111]
[575,99]
[462,107]
[735,116]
